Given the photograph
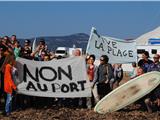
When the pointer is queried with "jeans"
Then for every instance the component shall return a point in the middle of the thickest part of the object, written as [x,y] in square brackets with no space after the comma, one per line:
[8,106]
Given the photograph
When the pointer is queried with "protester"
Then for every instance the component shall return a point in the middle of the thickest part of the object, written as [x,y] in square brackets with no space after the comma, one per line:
[42,55]
[27,44]
[153,99]
[139,71]
[40,48]
[46,57]
[145,61]
[77,52]
[104,75]
[13,39]
[92,75]
[133,73]
[2,65]
[6,45]
[118,74]
[155,66]
[26,50]
[17,49]
[9,85]
[79,101]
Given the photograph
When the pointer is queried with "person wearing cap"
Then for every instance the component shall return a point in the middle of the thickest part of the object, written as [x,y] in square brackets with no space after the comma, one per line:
[104,75]
[26,50]
[27,41]
[27,44]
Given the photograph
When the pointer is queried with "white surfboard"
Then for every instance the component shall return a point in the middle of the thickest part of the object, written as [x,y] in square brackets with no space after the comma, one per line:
[128,93]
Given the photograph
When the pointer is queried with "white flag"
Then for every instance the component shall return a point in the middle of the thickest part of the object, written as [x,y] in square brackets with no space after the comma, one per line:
[34,45]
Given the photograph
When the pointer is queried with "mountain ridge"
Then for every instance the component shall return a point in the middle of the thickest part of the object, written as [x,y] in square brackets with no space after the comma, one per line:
[80,40]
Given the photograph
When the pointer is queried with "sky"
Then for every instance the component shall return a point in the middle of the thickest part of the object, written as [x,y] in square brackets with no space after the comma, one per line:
[117,19]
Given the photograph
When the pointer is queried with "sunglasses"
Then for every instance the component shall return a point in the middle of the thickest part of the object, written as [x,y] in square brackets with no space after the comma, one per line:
[101,60]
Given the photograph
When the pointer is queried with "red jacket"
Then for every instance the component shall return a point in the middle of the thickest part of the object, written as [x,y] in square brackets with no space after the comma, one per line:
[8,81]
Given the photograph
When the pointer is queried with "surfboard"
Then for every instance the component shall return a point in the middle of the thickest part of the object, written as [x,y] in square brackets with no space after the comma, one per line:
[128,93]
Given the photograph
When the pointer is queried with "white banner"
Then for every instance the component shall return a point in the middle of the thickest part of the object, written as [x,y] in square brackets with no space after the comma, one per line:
[57,78]
[118,51]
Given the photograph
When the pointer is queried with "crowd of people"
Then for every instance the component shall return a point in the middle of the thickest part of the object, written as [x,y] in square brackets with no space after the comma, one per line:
[103,78]
[10,51]
[151,100]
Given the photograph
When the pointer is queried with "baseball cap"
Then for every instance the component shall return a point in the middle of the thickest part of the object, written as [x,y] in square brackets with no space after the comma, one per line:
[27,41]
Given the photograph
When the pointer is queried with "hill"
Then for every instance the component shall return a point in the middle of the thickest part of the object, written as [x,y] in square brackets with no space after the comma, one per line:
[78,39]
